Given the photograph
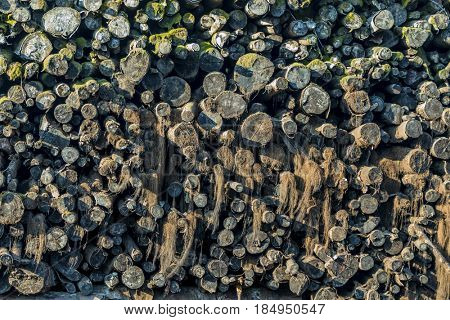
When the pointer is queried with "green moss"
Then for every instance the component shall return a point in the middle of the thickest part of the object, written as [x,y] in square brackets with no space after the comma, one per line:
[51,59]
[4,100]
[205,46]
[397,56]
[353,21]
[157,39]
[176,36]
[305,3]
[220,12]
[5,59]
[155,10]
[66,53]
[169,22]
[352,82]
[3,65]
[247,60]
[81,42]
[318,66]
[405,3]
[80,85]
[14,71]
[179,36]
[10,21]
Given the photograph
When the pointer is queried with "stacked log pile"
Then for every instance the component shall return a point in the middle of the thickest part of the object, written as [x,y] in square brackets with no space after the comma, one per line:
[287,144]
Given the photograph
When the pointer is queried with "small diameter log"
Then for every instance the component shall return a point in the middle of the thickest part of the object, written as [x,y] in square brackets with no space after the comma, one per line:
[314,100]
[214,84]
[208,283]
[112,280]
[328,130]
[288,125]
[6,259]
[409,160]
[183,135]
[132,249]
[85,286]
[63,113]
[366,262]
[133,277]
[256,8]
[276,86]
[326,293]
[121,262]
[298,283]
[393,246]
[210,121]
[257,129]
[225,238]
[189,112]
[197,271]
[56,239]
[200,200]
[377,238]
[95,256]
[217,268]
[236,186]
[367,135]
[256,242]
[312,266]
[392,264]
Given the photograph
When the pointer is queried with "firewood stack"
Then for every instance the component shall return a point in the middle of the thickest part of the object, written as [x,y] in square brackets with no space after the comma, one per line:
[294,145]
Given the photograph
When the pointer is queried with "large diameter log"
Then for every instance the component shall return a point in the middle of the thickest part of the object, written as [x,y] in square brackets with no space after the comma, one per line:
[61,21]
[409,160]
[252,72]
[314,100]
[214,83]
[298,76]
[256,242]
[430,110]
[11,208]
[441,148]
[257,129]
[183,135]
[175,91]
[25,282]
[217,268]
[367,135]
[230,105]
[357,102]
[56,239]
[312,266]
[370,175]
[407,129]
